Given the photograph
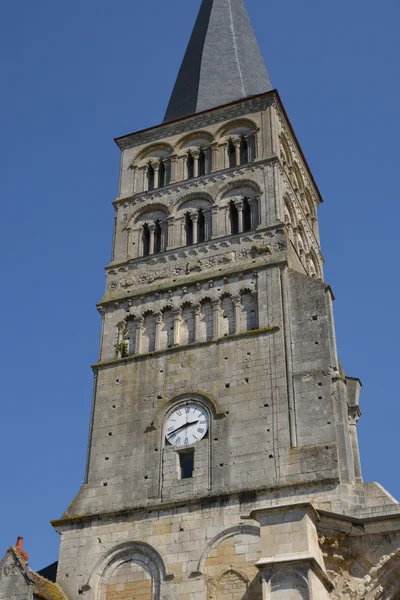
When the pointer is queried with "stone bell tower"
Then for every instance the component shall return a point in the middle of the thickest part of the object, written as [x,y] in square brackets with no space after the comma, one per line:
[223,456]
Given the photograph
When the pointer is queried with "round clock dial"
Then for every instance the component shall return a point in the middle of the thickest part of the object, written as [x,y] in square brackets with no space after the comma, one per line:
[187,425]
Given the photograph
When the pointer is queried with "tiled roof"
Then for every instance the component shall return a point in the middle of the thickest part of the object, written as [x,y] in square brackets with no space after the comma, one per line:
[45,589]
[223,62]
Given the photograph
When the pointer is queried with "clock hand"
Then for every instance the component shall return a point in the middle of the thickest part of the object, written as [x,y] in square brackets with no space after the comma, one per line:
[183,427]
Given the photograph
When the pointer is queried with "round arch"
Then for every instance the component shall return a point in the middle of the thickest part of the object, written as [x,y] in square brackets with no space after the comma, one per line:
[160,147]
[194,135]
[227,128]
[223,535]
[237,185]
[140,552]
[144,210]
[201,398]
[193,196]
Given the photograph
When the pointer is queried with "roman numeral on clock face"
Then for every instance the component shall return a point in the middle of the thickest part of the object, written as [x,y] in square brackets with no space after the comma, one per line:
[186,424]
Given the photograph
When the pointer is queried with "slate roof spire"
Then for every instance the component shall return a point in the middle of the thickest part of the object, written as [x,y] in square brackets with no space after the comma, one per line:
[223,62]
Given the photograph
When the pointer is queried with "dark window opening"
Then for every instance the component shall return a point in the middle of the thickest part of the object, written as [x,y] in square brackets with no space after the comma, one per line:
[244,151]
[157,238]
[201,227]
[189,229]
[186,463]
[151,177]
[231,154]
[246,215]
[202,163]
[234,218]
[146,240]
[190,166]
[161,175]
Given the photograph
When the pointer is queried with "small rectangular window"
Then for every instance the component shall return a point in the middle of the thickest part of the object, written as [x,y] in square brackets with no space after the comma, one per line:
[186,463]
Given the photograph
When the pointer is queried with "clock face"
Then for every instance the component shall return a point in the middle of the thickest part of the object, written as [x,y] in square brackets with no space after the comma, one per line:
[187,425]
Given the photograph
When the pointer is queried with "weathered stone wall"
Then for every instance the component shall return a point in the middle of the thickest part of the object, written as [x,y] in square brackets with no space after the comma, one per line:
[240,322]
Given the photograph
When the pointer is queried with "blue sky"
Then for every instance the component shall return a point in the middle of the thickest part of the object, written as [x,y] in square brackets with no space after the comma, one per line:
[77,74]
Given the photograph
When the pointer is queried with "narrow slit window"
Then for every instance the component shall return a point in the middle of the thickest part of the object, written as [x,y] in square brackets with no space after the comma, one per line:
[234,218]
[244,151]
[246,215]
[146,240]
[189,229]
[161,175]
[151,177]
[202,163]
[190,166]
[231,154]
[201,227]
[157,238]
[186,463]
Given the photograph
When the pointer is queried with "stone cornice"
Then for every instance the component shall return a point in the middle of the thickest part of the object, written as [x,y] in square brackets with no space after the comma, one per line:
[218,240]
[198,121]
[199,501]
[155,353]
[193,184]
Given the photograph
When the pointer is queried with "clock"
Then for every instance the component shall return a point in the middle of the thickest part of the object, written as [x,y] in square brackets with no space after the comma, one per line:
[187,425]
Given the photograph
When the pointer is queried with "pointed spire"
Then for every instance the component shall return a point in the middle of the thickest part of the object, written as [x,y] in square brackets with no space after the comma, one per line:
[223,62]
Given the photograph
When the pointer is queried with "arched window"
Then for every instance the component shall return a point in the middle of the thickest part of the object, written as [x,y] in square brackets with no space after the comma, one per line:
[190,166]
[234,217]
[161,175]
[231,154]
[189,229]
[201,227]
[244,151]
[146,240]
[202,162]
[246,215]
[150,176]
[157,238]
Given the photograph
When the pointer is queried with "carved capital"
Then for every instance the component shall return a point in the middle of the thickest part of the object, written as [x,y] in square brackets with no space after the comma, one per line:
[236,142]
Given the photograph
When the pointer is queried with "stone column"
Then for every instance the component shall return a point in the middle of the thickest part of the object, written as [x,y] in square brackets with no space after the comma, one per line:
[195,217]
[353,389]
[255,206]
[207,223]
[250,151]
[152,227]
[197,317]
[255,139]
[156,168]
[354,416]
[214,157]
[145,178]
[237,307]
[174,168]
[164,235]
[214,222]
[182,166]
[196,155]
[292,563]
[157,341]
[239,206]
[216,304]
[236,143]
[139,332]
[170,234]
[134,179]
[177,325]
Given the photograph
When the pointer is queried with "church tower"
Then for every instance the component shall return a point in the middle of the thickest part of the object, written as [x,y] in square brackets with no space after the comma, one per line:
[223,458]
